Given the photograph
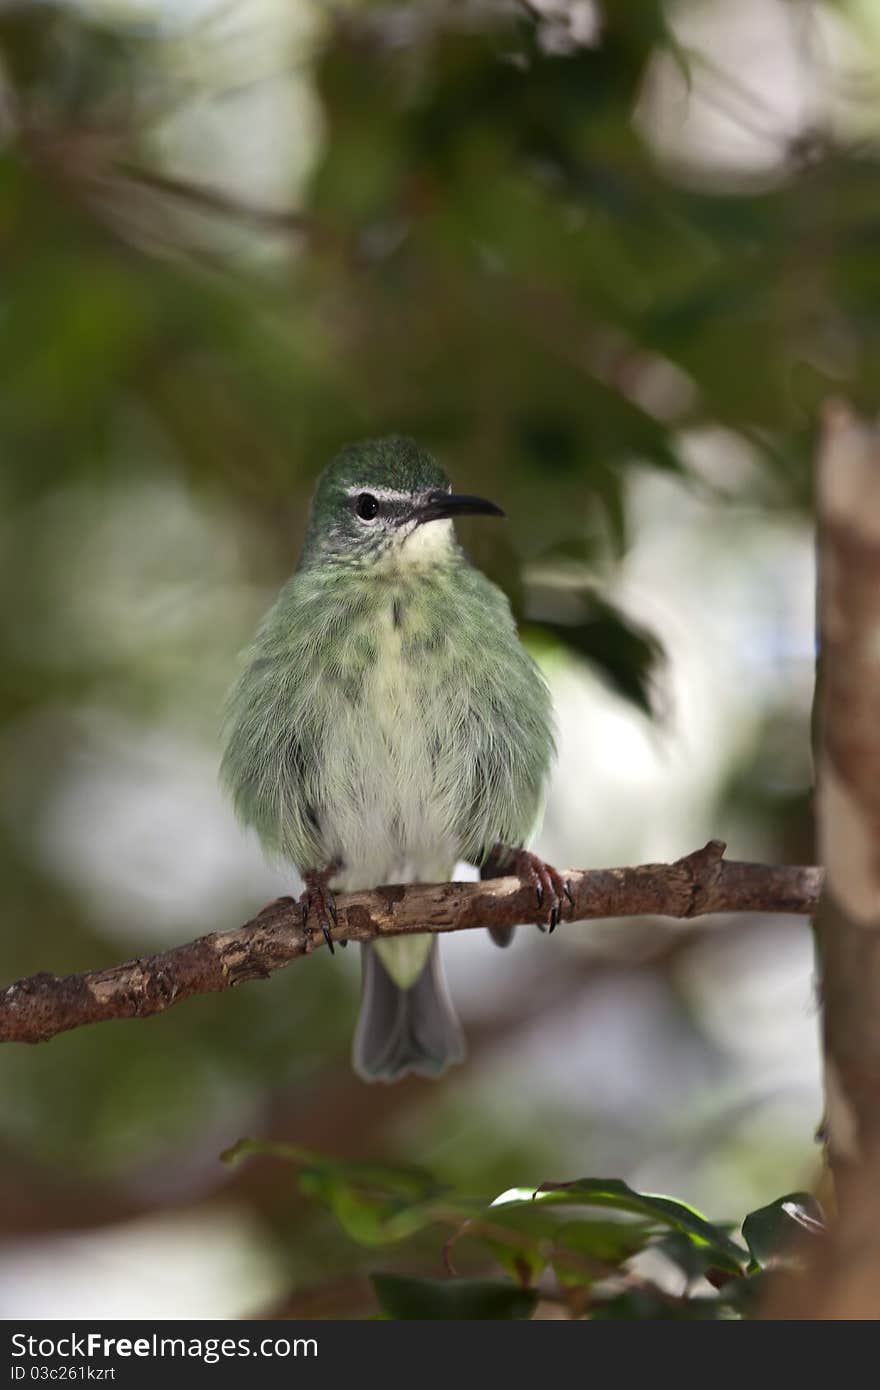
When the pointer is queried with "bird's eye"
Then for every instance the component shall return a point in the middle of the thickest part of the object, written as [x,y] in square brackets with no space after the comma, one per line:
[366,506]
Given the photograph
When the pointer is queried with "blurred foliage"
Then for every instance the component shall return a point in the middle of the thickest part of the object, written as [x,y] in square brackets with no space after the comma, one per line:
[572,1244]
[488,255]
[477,241]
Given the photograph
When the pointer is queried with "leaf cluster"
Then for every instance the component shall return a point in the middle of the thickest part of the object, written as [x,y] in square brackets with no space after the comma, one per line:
[595,1247]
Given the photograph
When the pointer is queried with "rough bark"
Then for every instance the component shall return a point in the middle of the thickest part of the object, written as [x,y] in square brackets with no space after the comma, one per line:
[838,1275]
[36,1009]
[848,781]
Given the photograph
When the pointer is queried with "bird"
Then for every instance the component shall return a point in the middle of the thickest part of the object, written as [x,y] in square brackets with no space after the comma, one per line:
[387,722]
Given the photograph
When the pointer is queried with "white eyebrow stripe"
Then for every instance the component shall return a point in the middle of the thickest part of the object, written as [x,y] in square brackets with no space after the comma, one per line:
[383,494]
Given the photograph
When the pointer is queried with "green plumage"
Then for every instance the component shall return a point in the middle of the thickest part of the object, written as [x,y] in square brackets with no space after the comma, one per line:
[388,718]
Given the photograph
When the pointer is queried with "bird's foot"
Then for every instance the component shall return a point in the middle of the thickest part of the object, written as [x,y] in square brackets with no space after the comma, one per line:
[317,901]
[551,889]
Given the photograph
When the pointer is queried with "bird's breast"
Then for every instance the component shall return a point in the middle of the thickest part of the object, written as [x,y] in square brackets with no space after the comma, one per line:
[388,811]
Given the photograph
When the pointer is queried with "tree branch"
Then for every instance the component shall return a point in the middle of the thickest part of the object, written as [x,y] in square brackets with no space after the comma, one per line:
[209,199]
[35,1009]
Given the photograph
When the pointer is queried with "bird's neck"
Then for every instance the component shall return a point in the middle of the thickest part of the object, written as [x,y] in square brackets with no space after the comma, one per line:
[430,546]
[430,550]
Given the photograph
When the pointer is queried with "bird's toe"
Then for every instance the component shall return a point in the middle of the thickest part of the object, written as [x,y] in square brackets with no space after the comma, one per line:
[318,903]
[549,886]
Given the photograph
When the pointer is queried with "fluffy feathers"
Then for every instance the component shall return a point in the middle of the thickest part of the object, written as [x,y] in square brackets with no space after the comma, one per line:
[388,718]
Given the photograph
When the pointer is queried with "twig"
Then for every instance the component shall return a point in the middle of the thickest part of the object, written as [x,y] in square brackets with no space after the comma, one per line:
[37,1008]
[216,200]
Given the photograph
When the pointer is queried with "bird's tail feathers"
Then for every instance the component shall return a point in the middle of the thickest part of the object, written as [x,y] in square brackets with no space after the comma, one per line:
[405,1030]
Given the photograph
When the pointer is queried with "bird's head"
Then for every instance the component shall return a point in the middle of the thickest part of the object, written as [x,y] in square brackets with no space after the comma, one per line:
[386,502]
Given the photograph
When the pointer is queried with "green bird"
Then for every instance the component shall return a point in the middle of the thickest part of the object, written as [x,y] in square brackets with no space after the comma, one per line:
[387,723]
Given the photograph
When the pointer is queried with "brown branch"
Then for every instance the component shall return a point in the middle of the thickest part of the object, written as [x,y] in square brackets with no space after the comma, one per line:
[35,1009]
[217,200]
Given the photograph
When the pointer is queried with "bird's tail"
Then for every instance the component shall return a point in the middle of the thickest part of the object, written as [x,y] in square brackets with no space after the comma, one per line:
[405,1030]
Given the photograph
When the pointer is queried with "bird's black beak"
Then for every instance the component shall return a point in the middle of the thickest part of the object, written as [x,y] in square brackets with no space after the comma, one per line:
[441,505]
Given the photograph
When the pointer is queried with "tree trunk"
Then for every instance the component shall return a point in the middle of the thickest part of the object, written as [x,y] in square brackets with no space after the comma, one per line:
[842,1274]
[848,780]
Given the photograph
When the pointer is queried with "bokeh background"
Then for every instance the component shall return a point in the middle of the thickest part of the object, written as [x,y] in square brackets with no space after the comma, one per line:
[606,260]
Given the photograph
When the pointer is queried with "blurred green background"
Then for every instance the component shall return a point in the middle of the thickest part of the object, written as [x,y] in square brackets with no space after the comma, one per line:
[606,260]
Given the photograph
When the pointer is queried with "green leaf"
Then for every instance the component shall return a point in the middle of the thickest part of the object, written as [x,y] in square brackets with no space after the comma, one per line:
[264,1148]
[374,1203]
[524,1236]
[407,1297]
[690,1256]
[377,1204]
[625,654]
[523,1263]
[610,1240]
[612,1192]
[770,1231]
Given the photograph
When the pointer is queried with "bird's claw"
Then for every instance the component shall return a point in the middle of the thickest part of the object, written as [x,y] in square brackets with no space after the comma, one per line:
[317,898]
[550,888]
